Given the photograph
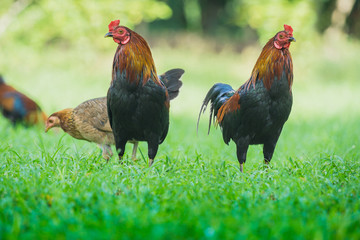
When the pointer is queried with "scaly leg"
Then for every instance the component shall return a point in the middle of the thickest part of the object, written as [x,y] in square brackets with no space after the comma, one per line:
[120,147]
[241,150]
[134,151]
[268,151]
[151,161]
[152,150]
[106,151]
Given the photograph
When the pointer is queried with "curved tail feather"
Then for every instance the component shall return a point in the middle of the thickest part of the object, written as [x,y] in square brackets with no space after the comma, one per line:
[217,95]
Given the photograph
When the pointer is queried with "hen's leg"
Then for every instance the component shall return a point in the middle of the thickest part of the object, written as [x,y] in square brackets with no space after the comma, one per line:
[134,150]
[152,150]
[241,151]
[106,151]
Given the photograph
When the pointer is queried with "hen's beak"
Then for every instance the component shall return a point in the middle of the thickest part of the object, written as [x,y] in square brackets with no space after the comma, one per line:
[47,127]
[292,39]
[109,34]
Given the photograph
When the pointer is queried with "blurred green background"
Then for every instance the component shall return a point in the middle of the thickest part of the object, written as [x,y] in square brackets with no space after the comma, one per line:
[55,52]
[54,186]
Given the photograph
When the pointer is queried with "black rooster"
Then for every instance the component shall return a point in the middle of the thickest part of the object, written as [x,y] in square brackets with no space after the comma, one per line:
[138,101]
[257,111]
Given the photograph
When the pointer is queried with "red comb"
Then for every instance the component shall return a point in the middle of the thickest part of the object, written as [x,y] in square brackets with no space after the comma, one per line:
[113,24]
[288,28]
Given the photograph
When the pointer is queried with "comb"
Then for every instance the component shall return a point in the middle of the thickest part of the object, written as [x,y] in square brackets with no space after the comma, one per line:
[113,24]
[288,28]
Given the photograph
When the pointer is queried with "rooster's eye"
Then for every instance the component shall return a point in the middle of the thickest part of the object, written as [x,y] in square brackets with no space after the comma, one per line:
[281,36]
[121,31]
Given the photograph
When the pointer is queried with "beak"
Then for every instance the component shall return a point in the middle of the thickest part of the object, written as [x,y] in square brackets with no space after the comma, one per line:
[109,34]
[292,39]
[47,127]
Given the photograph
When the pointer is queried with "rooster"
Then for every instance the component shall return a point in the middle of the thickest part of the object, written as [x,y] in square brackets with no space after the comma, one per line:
[19,108]
[257,111]
[138,101]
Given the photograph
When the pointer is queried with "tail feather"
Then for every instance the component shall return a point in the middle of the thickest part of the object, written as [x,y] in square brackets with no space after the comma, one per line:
[171,79]
[217,95]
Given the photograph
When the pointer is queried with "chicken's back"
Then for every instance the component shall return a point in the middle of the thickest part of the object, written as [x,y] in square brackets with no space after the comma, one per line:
[261,115]
[91,121]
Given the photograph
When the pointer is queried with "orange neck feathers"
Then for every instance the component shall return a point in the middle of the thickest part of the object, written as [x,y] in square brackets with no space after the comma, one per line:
[135,59]
[229,106]
[271,63]
[65,117]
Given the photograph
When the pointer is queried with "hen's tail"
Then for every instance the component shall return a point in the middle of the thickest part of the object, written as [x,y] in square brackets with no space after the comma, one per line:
[217,95]
[171,79]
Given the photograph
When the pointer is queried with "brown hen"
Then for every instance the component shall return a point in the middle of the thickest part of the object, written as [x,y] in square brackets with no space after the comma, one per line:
[89,121]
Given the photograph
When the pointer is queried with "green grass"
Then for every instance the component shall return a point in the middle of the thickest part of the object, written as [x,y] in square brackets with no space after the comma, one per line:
[52,186]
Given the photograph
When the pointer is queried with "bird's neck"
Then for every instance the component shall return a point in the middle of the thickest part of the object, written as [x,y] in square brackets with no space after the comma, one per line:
[134,63]
[272,64]
[66,119]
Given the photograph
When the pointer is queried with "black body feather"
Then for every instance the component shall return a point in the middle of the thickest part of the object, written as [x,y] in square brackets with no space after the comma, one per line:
[260,115]
[139,112]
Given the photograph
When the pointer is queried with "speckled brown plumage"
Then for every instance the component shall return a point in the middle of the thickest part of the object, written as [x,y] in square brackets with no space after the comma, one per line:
[88,121]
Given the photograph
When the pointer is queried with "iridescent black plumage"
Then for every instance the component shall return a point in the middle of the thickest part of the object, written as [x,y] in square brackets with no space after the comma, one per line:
[138,100]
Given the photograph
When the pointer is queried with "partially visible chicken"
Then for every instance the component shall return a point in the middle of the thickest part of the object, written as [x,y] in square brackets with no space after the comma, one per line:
[19,108]
[88,121]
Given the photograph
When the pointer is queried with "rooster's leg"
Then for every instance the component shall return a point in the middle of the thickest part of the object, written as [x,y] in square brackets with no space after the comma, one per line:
[120,147]
[268,151]
[152,150]
[241,150]
[134,150]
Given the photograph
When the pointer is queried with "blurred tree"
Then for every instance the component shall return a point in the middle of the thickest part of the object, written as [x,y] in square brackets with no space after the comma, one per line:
[325,9]
[10,11]
[75,21]
[212,14]
[69,22]
[267,16]
[176,21]
[344,17]
[353,20]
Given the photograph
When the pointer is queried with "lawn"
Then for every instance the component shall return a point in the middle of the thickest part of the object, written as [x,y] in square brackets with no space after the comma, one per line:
[53,186]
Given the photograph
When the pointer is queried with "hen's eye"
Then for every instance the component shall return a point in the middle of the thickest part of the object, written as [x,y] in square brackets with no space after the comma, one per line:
[281,36]
[121,31]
